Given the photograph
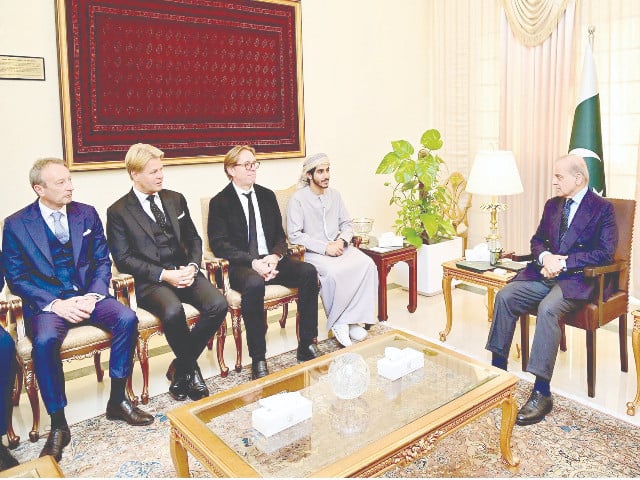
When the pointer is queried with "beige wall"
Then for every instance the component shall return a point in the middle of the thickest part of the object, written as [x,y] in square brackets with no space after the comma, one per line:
[355,98]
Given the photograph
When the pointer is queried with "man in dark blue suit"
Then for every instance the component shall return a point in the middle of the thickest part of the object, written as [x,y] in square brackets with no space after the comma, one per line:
[577,229]
[57,261]
[7,377]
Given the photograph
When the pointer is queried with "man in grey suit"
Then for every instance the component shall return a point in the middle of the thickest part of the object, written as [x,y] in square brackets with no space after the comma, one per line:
[577,229]
[152,237]
[245,227]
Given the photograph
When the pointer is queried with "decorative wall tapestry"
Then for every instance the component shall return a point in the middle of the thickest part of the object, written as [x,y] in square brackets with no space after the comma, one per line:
[192,77]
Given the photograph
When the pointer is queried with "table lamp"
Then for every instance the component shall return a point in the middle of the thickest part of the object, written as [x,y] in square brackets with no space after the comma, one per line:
[494,173]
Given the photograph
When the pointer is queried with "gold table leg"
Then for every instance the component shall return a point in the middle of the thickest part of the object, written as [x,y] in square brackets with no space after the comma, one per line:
[635,342]
[491,298]
[446,290]
[509,413]
[179,456]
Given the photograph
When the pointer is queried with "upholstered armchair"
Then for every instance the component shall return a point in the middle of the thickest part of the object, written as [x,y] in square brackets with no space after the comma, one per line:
[276,296]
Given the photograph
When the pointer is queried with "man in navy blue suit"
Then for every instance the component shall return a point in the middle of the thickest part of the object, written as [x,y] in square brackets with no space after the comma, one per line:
[7,377]
[57,261]
[577,229]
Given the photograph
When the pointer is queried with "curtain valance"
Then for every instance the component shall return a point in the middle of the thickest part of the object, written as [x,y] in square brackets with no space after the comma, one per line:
[532,21]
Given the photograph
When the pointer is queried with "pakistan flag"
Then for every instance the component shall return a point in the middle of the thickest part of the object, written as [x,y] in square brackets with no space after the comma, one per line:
[586,134]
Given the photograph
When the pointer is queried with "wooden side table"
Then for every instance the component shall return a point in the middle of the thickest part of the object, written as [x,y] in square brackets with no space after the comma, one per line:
[384,261]
[635,343]
[490,280]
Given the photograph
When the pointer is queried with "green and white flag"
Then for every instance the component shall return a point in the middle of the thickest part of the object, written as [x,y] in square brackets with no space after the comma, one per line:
[586,134]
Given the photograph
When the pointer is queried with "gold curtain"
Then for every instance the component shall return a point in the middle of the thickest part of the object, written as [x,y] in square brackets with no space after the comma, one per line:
[532,21]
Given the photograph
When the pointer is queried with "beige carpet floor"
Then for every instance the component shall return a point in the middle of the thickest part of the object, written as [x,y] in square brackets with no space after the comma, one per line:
[573,441]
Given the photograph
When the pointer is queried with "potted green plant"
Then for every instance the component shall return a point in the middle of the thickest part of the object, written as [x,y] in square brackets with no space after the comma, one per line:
[421,200]
[423,203]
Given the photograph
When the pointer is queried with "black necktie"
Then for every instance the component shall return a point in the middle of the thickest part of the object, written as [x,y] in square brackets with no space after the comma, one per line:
[253,233]
[157,213]
[564,224]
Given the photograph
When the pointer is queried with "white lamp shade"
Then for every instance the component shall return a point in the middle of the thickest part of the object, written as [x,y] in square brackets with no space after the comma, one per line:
[494,173]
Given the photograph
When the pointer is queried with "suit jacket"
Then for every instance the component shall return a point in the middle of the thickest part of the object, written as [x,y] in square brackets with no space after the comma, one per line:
[591,239]
[132,243]
[228,230]
[29,267]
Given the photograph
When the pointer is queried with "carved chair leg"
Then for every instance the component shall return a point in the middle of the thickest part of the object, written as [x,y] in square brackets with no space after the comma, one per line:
[236,329]
[221,336]
[129,389]
[524,339]
[32,394]
[298,322]
[17,386]
[98,365]
[12,438]
[563,338]
[210,343]
[622,334]
[143,357]
[591,363]
[265,315]
[285,313]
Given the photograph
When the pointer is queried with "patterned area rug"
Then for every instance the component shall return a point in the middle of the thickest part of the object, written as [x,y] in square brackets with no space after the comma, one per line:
[573,441]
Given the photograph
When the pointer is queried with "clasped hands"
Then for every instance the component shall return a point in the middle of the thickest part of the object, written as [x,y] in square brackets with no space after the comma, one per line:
[266,266]
[335,248]
[552,265]
[75,309]
[181,277]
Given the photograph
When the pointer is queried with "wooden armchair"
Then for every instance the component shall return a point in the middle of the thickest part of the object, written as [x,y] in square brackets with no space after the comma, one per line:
[149,325]
[456,186]
[600,312]
[81,342]
[275,295]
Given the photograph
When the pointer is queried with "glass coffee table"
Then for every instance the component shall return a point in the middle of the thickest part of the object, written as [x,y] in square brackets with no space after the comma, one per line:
[389,423]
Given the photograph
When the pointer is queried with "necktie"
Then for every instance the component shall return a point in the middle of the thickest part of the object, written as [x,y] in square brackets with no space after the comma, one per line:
[58,229]
[157,213]
[253,233]
[564,224]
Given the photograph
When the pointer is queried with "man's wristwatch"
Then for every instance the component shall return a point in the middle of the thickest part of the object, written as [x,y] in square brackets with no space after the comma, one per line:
[345,243]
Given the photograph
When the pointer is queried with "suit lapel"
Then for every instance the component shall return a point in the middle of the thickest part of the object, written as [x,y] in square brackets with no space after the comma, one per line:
[75,219]
[579,222]
[171,211]
[140,216]
[35,226]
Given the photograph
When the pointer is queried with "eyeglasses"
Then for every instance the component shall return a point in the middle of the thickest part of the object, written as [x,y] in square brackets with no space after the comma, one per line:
[249,165]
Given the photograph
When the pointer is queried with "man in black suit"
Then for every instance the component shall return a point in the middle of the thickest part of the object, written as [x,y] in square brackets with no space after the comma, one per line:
[152,237]
[245,227]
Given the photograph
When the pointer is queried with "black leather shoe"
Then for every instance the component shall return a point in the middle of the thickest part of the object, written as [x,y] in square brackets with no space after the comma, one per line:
[308,352]
[56,441]
[6,459]
[180,381]
[197,387]
[127,412]
[259,369]
[535,409]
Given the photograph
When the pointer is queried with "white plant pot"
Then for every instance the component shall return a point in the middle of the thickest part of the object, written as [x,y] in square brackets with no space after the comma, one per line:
[430,259]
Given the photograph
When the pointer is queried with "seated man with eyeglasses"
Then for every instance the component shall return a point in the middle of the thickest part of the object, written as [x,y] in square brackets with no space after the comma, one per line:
[245,227]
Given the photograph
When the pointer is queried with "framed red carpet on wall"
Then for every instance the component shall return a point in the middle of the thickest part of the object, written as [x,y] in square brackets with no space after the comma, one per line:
[192,77]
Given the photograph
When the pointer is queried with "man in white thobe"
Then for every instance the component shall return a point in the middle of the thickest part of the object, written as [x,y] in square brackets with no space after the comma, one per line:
[318,219]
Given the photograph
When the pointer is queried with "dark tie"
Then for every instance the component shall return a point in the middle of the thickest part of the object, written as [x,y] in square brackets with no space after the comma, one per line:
[253,233]
[564,224]
[157,213]
[58,229]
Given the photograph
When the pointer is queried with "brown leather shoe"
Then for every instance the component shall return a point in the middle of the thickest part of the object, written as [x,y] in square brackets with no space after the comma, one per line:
[127,412]
[56,441]
[6,459]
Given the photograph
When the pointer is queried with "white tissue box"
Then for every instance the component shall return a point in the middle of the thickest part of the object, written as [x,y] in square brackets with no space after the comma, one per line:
[299,433]
[388,239]
[397,363]
[279,412]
